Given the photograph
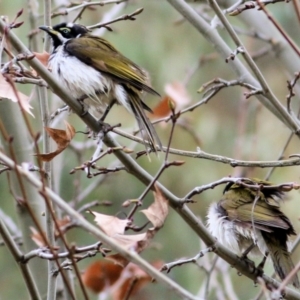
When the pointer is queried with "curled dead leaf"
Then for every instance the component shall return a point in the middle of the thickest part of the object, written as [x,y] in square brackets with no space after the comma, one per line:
[145,242]
[115,227]
[111,225]
[130,241]
[61,137]
[158,210]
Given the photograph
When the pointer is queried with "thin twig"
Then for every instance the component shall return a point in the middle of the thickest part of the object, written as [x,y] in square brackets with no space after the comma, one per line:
[128,254]
[297,9]
[164,166]
[221,159]
[246,182]
[130,17]
[169,266]
[279,28]
[85,5]
[264,85]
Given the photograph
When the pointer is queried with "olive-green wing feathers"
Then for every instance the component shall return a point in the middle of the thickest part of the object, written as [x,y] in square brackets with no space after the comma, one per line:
[241,206]
[98,53]
[262,215]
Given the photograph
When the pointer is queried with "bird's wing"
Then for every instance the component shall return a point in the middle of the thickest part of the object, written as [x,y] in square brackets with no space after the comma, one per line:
[262,214]
[98,53]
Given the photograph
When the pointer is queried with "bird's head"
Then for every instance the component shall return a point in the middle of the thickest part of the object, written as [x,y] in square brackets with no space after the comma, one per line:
[62,32]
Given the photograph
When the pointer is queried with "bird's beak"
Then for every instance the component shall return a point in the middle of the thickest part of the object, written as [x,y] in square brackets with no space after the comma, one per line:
[49,30]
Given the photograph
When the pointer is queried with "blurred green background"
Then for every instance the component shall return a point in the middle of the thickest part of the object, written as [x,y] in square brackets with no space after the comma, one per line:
[168,47]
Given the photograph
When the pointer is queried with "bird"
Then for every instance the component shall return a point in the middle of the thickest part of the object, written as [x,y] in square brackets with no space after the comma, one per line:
[247,220]
[95,73]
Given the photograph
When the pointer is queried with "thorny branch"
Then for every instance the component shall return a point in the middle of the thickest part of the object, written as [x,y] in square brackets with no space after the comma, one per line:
[84,6]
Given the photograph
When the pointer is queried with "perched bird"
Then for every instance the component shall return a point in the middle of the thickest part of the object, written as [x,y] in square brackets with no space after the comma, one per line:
[232,219]
[93,71]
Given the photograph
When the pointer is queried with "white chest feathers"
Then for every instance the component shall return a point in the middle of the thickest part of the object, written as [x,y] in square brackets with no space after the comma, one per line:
[84,82]
[233,235]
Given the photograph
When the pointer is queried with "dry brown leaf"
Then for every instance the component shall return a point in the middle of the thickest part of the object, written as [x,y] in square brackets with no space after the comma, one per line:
[145,242]
[61,137]
[107,277]
[101,275]
[8,92]
[109,224]
[66,220]
[162,109]
[43,58]
[130,241]
[157,212]
[115,227]
[37,238]
[176,95]
[135,279]
[118,259]
[136,242]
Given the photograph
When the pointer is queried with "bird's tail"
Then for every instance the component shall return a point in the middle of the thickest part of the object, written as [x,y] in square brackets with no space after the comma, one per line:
[149,135]
[280,256]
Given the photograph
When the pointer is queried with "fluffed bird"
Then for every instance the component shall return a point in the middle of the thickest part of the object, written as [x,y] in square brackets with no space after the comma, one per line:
[249,220]
[93,71]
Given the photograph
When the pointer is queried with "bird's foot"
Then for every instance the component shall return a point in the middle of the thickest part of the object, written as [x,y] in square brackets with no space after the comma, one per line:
[260,270]
[245,258]
[84,108]
[84,112]
[107,110]
[105,127]
[248,250]
[248,261]
[260,267]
